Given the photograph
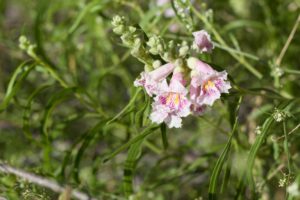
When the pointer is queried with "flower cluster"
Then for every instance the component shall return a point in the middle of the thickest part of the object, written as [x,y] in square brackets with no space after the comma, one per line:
[184,85]
[193,86]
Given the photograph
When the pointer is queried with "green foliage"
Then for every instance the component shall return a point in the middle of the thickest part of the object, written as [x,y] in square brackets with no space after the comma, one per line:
[69,111]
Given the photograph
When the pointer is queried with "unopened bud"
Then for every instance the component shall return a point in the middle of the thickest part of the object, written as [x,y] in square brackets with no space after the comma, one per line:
[183,51]
[156,64]
[119,29]
[192,62]
[118,20]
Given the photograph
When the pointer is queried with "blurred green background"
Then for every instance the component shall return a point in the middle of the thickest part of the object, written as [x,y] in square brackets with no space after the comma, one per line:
[50,125]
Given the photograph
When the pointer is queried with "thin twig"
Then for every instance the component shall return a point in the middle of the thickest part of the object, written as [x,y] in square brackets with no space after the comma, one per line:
[292,131]
[274,173]
[41,181]
[287,43]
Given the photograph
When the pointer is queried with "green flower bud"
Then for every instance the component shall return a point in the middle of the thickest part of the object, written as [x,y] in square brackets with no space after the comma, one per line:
[183,51]
[131,29]
[127,39]
[148,68]
[156,45]
[192,62]
[156,64]
[280,115]
[137,42]
[167,56]
[153,41]
[23,42]
[119,29]
[118,20]
[30,50]
[171,44]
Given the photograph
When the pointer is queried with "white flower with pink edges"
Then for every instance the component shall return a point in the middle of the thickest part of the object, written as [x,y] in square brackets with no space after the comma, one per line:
[207,84]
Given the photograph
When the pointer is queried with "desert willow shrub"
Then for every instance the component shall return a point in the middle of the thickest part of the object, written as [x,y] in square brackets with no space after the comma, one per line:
[168,122]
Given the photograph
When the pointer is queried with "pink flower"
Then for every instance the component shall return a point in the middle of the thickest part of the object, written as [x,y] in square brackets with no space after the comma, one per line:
[171,104]
[206,83]
[150,80]
[169,12]
[202,41]
[174,27]
[162,2]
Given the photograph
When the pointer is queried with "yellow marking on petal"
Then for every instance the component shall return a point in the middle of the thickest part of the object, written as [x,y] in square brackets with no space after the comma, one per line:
[176,101]
[208,85]
[173,98]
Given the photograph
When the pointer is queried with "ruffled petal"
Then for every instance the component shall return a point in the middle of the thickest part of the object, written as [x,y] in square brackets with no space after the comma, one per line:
[209,97]
[174,121]
[185,111]
[177,87]
[159,114]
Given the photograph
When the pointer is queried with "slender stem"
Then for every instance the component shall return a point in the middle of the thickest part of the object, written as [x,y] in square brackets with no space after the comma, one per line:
[292,71]
[292,131]
[81,98]
[147,131]
[288,42]
[153,148]
[232,50]
[286,149]
[43,182]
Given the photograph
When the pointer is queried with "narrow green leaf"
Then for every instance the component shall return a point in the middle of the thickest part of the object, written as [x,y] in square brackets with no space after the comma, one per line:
[141,136]
[27,111]
[93,6]
[55,100]
[287,152]
[86,140]
[69,154]
[226,177]
[126,108]
[164,137]
[134,153]
[221,160]
[146,113]
[139,114]
[22,72]
[51,104]
[254,150]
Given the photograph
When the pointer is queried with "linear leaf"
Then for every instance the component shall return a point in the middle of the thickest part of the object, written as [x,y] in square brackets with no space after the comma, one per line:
[50,106]
[127,107]
[141,136]
[27,111]
[254,150]
[221,160]
[86,140]
[22,72]
[134,153]
[164,137]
